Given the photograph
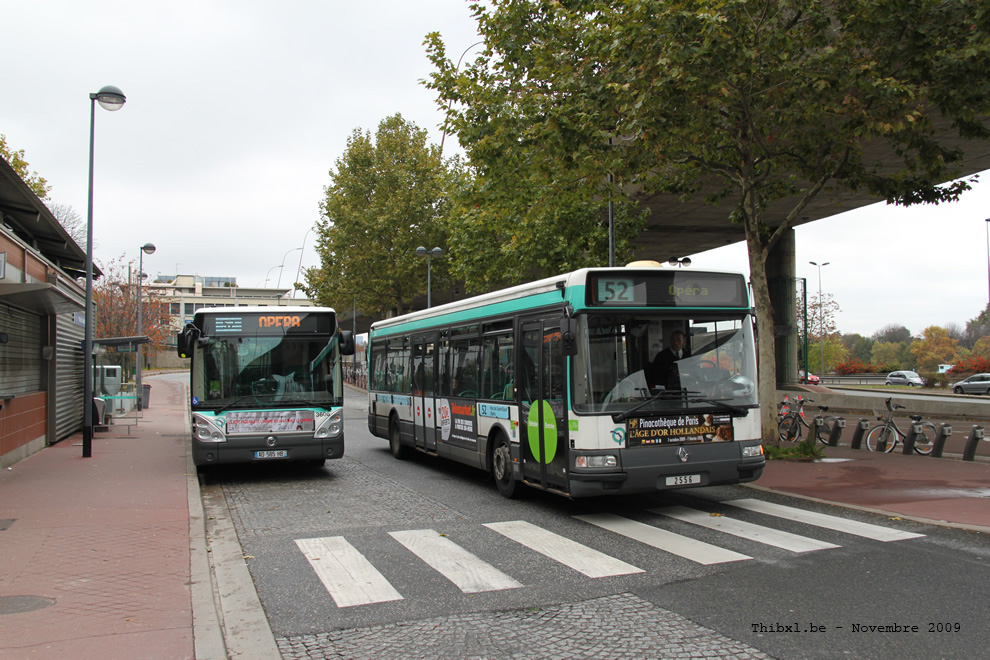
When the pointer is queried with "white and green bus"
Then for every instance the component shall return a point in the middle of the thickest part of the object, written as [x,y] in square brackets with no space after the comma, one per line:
[265,384]
[562,384]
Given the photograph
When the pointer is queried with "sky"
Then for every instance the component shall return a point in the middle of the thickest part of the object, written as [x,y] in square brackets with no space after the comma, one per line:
[237,110]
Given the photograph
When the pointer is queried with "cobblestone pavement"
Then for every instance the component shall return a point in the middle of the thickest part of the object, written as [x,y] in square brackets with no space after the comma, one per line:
[619,626]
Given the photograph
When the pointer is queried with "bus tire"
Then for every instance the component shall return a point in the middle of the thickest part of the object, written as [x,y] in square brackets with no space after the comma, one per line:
[507,486]
[395,445]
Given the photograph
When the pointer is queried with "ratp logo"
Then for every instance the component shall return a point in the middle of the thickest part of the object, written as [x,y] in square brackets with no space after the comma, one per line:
[619,436]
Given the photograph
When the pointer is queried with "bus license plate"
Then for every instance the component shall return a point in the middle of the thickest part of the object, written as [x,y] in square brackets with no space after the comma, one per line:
[275,453]
[684,480]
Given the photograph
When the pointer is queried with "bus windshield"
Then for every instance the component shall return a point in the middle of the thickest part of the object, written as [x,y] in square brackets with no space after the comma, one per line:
[257,371]
[677,363]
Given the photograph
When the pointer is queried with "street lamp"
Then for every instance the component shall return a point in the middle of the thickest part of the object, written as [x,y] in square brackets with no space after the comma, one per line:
[988,261]
[299,267]
[147,248]
[429,254]
[280,268]
[110,98]
[821,314]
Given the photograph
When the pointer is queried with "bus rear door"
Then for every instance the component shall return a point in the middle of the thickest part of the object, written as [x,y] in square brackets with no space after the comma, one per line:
[542,410]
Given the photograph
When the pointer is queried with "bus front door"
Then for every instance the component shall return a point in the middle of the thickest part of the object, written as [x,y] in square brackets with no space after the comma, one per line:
[424,403]
[542,410]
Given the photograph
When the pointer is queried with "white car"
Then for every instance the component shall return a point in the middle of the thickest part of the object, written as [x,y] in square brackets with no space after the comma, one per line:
[909,378]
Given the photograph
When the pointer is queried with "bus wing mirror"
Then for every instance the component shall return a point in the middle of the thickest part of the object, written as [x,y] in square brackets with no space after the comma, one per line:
[186,340]
[346,342]
[568,336]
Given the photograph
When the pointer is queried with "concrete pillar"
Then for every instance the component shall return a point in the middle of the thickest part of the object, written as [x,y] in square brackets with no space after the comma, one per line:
[781,276]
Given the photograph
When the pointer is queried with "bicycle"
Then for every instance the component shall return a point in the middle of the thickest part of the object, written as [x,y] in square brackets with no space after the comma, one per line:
[886,436]
[791,421]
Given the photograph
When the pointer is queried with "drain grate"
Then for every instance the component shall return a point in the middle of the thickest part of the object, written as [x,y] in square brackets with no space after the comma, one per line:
[21,604]
[5,523]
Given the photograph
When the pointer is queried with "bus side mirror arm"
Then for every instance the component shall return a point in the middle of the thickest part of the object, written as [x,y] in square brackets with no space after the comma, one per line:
[568,336]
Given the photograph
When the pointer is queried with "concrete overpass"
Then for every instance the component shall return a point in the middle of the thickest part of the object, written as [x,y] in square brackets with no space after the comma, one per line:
[677,229]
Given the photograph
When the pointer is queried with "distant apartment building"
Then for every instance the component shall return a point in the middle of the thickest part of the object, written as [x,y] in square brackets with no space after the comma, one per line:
[184,294]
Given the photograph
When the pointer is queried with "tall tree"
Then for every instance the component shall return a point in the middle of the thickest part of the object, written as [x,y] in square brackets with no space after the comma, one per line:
[755,104]
[892,332]
[387,195]
[16,160]
[73,222]
[934,348]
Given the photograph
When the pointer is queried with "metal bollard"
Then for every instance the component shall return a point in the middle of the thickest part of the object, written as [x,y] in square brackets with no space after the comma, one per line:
[836,432]
[944,432]
[912,435]
[969,453]
[816,424]
[861,428]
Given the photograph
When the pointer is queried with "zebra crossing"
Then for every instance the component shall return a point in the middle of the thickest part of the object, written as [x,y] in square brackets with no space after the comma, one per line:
[352,580]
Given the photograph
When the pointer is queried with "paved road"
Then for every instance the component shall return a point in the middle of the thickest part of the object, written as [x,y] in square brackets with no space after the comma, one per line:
[447,568]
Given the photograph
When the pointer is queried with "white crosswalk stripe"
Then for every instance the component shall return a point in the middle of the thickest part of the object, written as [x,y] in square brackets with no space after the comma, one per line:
[470,574]
[746,530]
[682,546]
[580,557]
[352,580]
[875,532]
[348,577]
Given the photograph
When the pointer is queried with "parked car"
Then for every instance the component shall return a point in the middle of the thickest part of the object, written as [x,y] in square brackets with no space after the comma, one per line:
[910,378]
[975,384]
[810,378]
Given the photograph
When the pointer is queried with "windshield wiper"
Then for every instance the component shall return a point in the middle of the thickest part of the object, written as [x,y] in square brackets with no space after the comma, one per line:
[235,402]
[662,394]
[738,411]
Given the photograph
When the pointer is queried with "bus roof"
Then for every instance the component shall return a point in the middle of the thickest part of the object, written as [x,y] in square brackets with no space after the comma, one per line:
[266,309]
[559,289]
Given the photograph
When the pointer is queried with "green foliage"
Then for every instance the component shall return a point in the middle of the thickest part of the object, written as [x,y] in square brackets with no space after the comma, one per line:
[15,159]
[748,103]
[799,450]
[388,195]
[889,354]
[835,352]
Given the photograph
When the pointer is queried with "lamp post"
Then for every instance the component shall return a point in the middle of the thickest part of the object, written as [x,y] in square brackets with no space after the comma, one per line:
[821,314]
[987,223]
[282,267]
[299,267]
[429,254]
[110,98]
[147,248]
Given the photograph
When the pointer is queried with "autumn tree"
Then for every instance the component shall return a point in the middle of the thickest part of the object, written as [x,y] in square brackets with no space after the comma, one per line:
[16,160]
[934,348]
[116,302]
[388,195]
[761,106]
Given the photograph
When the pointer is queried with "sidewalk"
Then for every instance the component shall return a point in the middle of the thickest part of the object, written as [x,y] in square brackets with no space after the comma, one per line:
[96,551]
[105,557]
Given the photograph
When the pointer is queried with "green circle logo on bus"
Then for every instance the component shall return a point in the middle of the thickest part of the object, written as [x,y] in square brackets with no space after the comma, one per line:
[549,431]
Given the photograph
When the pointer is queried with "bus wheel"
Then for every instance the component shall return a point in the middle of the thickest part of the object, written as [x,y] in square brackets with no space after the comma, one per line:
[502,468]
[394,442]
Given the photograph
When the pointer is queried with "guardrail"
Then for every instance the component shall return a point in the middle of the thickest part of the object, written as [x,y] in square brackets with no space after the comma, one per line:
[859,379]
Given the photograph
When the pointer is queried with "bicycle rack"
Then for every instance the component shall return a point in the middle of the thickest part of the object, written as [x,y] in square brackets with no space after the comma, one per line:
[969,454]
[816,424]
[836,432]
[912,435]
[944,431]
[861,428]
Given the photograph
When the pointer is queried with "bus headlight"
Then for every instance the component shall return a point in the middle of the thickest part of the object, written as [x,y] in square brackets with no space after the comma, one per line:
[598,461]
[752,450]
[204,431]
[334,425]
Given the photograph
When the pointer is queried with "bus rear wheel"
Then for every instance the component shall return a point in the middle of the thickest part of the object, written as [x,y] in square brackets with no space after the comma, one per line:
[395,445]
[502,468]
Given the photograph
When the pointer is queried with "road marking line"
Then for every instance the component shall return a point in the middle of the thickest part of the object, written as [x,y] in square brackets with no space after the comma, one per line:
[346,574]
[470,574]
[682,546]
[746,530]
[580,557]
[836,523]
